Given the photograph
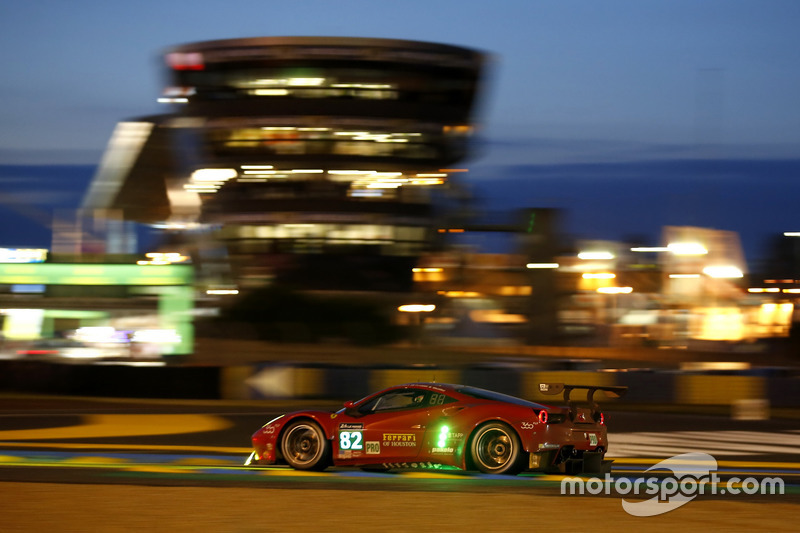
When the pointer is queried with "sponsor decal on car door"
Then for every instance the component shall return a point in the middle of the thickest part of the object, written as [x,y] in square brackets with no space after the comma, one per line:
[381,437]
[396,436]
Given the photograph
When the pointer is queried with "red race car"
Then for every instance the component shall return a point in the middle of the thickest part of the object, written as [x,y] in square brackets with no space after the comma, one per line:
[427,425]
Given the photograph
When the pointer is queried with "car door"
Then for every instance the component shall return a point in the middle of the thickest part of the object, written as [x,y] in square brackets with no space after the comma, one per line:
[389,428]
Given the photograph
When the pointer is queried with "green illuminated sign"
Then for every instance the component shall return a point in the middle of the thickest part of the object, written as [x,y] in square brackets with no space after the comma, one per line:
[176,294]
[92,274]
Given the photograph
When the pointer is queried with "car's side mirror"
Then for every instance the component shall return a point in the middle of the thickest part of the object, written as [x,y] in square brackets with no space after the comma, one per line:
[350,409]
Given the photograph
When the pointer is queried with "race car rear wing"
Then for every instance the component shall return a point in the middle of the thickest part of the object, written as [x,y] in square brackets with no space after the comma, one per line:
[556,388]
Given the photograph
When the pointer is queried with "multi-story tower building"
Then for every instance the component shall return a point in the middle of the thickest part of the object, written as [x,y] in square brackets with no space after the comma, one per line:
[309,160]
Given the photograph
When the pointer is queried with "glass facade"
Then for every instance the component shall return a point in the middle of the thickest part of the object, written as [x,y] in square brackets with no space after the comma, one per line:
[277,149]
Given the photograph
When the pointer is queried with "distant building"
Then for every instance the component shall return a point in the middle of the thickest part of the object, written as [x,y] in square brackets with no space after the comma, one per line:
[308,160]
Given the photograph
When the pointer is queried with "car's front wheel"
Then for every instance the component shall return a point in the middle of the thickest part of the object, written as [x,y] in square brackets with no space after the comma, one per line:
[304,446]
[496,449]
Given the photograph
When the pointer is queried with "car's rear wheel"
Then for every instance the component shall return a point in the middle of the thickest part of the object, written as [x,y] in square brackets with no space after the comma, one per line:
[304,446]
[496,449]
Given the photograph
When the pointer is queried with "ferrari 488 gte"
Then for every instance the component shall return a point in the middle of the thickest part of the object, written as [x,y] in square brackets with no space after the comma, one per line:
[429,425]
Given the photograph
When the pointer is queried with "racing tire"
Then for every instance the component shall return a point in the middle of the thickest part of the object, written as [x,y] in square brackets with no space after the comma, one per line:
[495,448]
[304,446]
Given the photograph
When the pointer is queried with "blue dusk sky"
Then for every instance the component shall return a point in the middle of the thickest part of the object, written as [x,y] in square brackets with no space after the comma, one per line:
[582,82]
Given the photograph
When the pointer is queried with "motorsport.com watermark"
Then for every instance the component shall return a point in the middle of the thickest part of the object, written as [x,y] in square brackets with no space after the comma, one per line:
[693,474]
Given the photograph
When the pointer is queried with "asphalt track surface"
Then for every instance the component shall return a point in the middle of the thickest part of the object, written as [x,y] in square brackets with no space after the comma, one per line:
[114,465]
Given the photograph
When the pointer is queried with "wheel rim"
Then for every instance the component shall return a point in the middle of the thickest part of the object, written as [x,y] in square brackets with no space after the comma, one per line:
[495,448]
[302,444]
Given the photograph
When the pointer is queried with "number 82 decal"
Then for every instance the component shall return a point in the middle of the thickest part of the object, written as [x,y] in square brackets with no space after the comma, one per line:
[350,440]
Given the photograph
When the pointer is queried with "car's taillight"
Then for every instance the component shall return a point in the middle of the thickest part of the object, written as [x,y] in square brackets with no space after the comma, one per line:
[543,416]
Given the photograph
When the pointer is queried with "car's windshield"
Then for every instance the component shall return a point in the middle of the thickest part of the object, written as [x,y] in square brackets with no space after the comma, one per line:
[496,396]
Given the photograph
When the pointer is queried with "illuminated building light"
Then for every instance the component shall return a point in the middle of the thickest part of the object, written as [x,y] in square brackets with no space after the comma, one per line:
[684,276]
[176,92]
[361,193]
[201,188]
[791,233]
[687,248]
[650,249]
[459,294]
[719,323]
[307,171]
[167,257]
[27,288]
[495,316]
[615,290]
[599,275]
[542,265]
[269,92]
[156,336]
[362,86]
[761,289]
[306,82]
[723,272]
[218,292]
[268,81]
[386,174]
[176,225]
[782,281]
[350,172]
[452,170]
[416,308]
[185,60]
[696,366]
[791,291]
[256,167]
[515,290]
[97,334]
[173,100]
[461,129]
[213,174]
[23,255]
[595,255]
[23,324]
[432,175]
[427,269]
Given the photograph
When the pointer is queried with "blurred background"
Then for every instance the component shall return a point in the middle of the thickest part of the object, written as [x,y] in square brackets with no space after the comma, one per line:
[524,186]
